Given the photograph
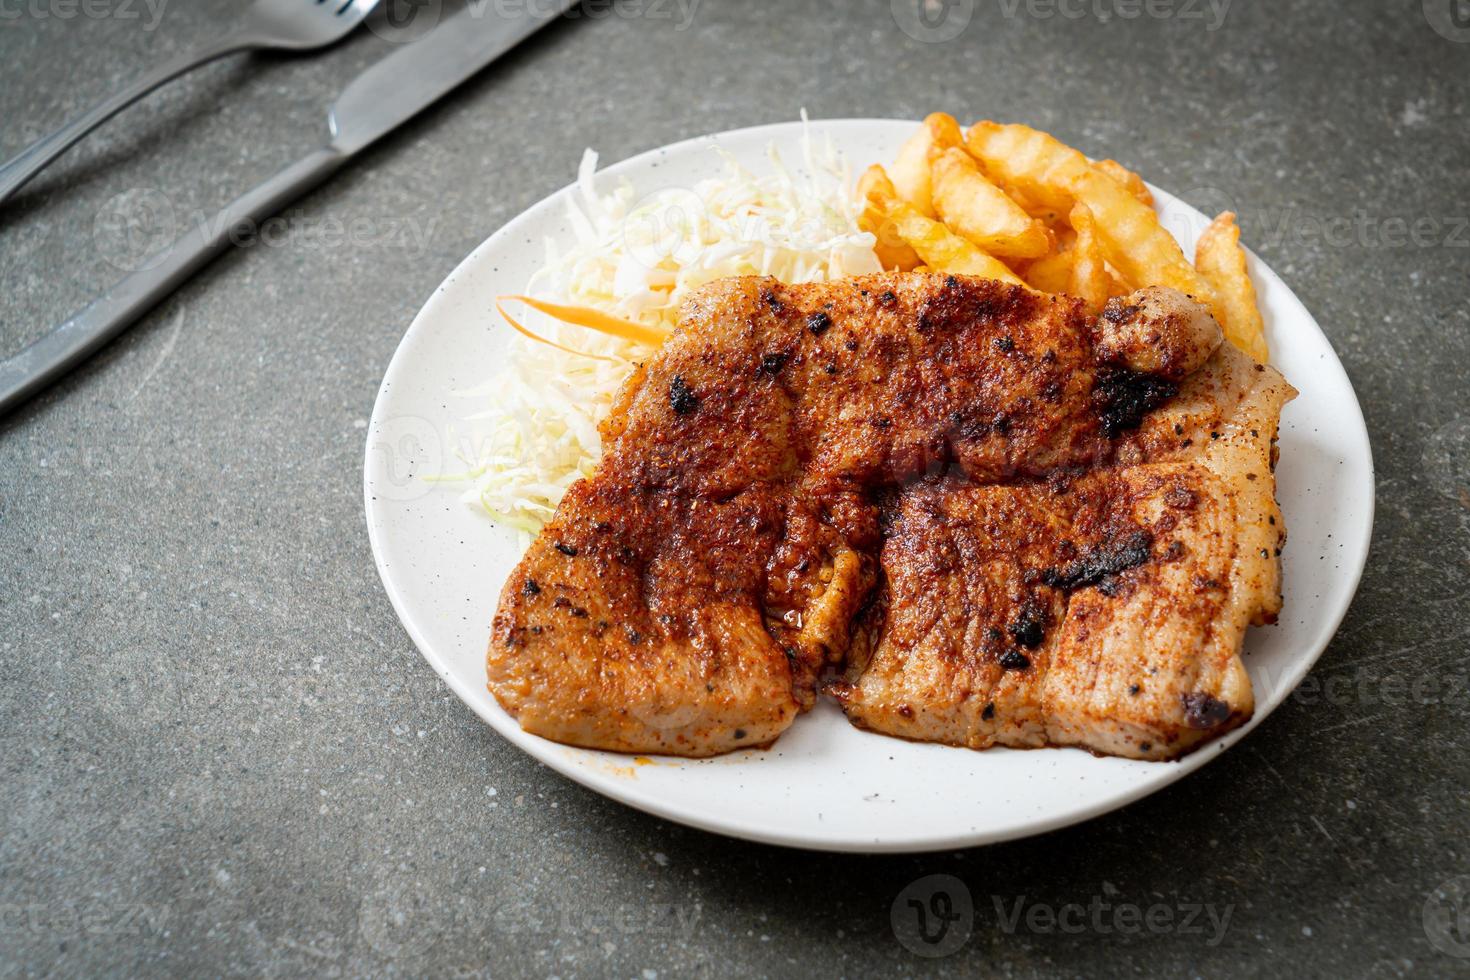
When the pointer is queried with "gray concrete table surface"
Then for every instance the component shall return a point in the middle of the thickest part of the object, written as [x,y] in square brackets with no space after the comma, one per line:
[223,756]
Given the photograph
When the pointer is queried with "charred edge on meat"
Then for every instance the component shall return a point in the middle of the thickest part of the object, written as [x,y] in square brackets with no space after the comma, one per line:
[1102,563]
[1122,398]
[1201,711]
[1119,312]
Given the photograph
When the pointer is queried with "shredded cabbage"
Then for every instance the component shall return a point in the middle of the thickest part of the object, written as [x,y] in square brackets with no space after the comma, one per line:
[638,260]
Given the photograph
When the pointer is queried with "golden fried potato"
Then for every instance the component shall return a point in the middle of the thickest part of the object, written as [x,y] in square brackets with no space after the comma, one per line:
[1133,240]
[1221,260]
[1015,160]
[1128,179]
[936,246]
[974,208]
[1116,285]
[1051,274]
[877,192]
[911,173]
[1089,279]
[944,251]
[1049,216]
[876,188]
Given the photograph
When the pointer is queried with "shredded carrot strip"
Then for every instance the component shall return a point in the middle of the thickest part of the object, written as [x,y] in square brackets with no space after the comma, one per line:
[583,316]
[537,337]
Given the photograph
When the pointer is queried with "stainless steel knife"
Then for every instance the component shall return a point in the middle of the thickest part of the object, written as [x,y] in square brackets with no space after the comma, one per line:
[378,101]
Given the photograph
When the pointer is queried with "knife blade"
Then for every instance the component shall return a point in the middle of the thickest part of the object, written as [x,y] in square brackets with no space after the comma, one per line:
[410,80]
[379,100]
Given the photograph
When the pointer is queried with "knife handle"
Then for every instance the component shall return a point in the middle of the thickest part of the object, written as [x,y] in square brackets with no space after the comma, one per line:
[31,369]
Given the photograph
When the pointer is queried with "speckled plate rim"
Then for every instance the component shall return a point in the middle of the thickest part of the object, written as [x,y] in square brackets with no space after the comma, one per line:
[1281,307]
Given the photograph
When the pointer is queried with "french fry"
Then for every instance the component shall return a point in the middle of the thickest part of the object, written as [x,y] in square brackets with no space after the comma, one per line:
[1014,158]
[1048,216]
[1133,240]
[974,208]
[876,191]
[1128,179]
[944,251]
[938,248]
[910,172]
[1221,260]
[1050,274]
[1089,279]
[875,188]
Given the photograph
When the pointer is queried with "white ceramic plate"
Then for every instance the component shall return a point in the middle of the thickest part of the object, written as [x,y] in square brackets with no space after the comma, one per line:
[825,784]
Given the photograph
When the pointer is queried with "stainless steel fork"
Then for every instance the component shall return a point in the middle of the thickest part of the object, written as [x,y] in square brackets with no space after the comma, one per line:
[282,25]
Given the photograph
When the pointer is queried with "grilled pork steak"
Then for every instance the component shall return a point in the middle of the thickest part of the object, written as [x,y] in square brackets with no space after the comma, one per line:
[688,597]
